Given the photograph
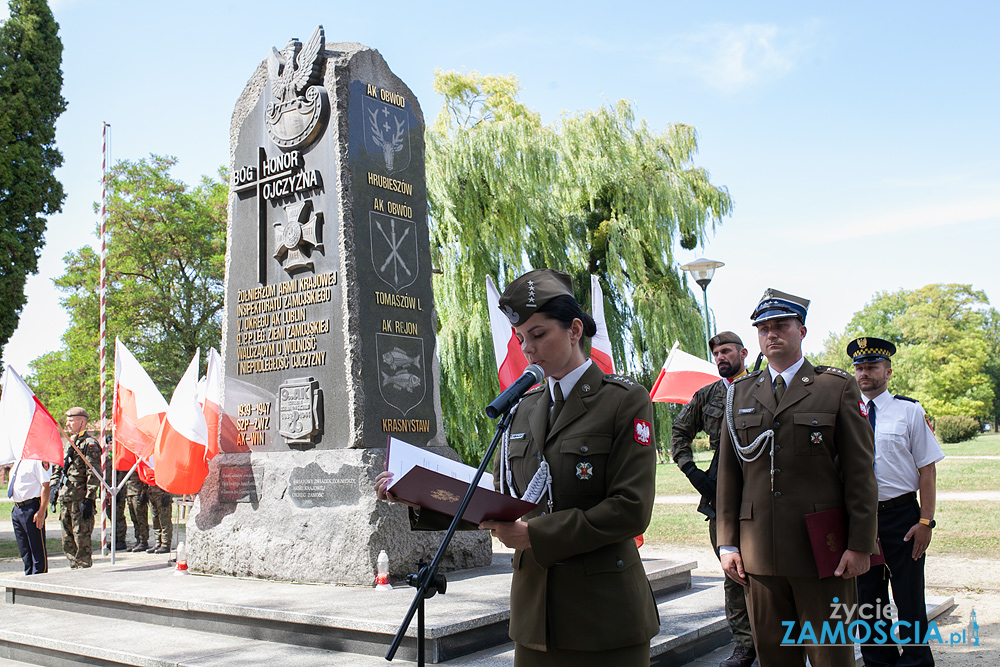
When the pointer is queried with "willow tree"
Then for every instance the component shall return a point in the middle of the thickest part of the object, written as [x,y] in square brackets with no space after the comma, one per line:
[595,193]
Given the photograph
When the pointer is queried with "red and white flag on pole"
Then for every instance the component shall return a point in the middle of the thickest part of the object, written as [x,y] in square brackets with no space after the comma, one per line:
[181,449]
[600,344]
[210,397]
[510,360]
[138,409]
[681,376]
[27,430]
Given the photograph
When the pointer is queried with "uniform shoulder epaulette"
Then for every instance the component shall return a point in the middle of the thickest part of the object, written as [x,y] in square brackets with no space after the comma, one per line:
[620,379]
[535,390]
[832,370]
[906,398]
[751,374]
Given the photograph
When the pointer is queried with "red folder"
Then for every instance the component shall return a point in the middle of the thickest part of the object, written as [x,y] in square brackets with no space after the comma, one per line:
[828,537]
[444,494]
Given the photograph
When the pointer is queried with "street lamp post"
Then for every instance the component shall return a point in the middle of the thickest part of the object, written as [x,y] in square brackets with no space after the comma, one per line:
[702,270]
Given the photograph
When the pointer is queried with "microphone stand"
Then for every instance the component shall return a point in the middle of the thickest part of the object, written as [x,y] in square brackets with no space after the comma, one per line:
[428,581]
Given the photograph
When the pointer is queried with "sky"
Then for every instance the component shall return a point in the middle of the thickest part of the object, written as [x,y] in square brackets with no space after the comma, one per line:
[858,140]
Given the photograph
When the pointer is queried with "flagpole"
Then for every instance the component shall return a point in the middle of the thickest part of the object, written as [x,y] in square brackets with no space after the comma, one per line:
[105,139]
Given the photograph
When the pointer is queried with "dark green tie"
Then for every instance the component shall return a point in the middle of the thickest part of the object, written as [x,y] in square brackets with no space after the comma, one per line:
[557,404]
[779,388]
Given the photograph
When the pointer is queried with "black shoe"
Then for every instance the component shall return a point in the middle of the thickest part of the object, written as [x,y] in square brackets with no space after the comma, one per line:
[141,546]
[160,550]
[743,656]
[151,550]
[121,546]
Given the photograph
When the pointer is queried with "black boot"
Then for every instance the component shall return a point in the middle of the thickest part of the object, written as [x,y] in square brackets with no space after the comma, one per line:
[743,656]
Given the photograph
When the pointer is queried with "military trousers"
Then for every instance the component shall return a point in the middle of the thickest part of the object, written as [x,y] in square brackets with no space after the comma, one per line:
[627,656]
[161,504]
[736,601]
[138,509]
[121,527]
[77,533]
[773,600]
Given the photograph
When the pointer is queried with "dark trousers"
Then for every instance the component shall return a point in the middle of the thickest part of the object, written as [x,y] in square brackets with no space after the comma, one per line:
[907,578]
[30,539]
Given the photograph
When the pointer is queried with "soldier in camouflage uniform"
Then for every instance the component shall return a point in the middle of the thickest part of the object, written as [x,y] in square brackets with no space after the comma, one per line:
[78,490]
[706,412]
[110,477]
[161,503]
[138,508]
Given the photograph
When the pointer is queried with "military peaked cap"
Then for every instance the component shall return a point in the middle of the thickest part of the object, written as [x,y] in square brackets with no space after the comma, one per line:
[776,305]
[868,350]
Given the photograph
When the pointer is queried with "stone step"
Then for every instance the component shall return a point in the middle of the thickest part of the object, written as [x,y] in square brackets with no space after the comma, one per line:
[471,617]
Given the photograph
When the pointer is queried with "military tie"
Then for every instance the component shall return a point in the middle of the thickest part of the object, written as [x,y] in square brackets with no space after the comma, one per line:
[779,388]
[557,404]
[871,414]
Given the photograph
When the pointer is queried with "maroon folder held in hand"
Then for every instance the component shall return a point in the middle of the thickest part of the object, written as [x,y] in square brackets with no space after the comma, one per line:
[828,537]
[441,493]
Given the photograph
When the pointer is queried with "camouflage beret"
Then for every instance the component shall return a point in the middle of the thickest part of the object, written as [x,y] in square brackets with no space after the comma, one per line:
[724,337]
[77,412]
[525,295]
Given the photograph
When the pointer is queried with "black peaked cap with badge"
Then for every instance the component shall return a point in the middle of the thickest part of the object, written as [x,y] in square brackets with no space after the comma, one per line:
[775,305]
[525,295]
[867,350]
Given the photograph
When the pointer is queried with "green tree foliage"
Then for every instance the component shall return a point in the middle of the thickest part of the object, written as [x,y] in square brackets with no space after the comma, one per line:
[955,428]
[943,354]
[598,192]
[30,103]
[166,251]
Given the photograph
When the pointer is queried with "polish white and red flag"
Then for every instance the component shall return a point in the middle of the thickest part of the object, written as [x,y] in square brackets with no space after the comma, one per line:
[510,360]
[138,409]
[210,397]
[600,344]
[181,449]
[27,430]
[681,376]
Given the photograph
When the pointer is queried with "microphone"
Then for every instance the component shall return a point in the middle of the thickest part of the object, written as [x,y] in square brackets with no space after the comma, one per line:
[533,374]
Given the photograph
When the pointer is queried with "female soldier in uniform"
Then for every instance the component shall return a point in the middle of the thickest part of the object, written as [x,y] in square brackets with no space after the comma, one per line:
[579,594]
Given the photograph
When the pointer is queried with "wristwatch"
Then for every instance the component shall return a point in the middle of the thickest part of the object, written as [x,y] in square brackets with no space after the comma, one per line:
[930,523]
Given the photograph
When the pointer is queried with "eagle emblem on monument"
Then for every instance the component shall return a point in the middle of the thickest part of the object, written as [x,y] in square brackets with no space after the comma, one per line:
[298,113]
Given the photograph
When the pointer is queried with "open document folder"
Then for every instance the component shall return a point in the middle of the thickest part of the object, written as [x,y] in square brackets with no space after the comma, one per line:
[439,484]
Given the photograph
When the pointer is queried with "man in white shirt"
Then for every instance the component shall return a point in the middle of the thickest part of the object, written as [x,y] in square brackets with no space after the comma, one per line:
[28,487]
[906,452]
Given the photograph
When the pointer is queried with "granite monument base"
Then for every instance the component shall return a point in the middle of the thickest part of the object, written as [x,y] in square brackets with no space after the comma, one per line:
[312,517]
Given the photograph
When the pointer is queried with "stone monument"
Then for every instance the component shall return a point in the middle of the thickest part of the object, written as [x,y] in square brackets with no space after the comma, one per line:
[329,327]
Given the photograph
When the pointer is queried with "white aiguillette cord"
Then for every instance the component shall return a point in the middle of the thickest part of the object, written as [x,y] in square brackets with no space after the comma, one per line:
[752,451]
[541,482]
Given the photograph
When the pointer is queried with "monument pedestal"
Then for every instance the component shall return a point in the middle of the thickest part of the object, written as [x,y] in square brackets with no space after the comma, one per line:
[312,517]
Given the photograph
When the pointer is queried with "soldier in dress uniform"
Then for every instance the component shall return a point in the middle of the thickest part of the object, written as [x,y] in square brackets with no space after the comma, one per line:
[28,487]
[161,503]
[706,411]
[906,453]
[78,490]
[138,508]
[579,593]
[795,443]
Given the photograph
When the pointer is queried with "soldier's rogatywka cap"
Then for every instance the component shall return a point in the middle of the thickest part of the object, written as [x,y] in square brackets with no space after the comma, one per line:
[775,305]
[867,350]
[77,412]
[724,337]
[525,295]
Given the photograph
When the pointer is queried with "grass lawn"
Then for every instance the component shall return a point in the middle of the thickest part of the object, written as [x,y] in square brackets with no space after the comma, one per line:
[967,528]
[968,475]
[985,444]
[671,481]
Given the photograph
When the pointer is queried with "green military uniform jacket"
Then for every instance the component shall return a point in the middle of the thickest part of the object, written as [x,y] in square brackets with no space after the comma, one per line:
[706,411]
[581,585]
[77,482]
[824,455]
